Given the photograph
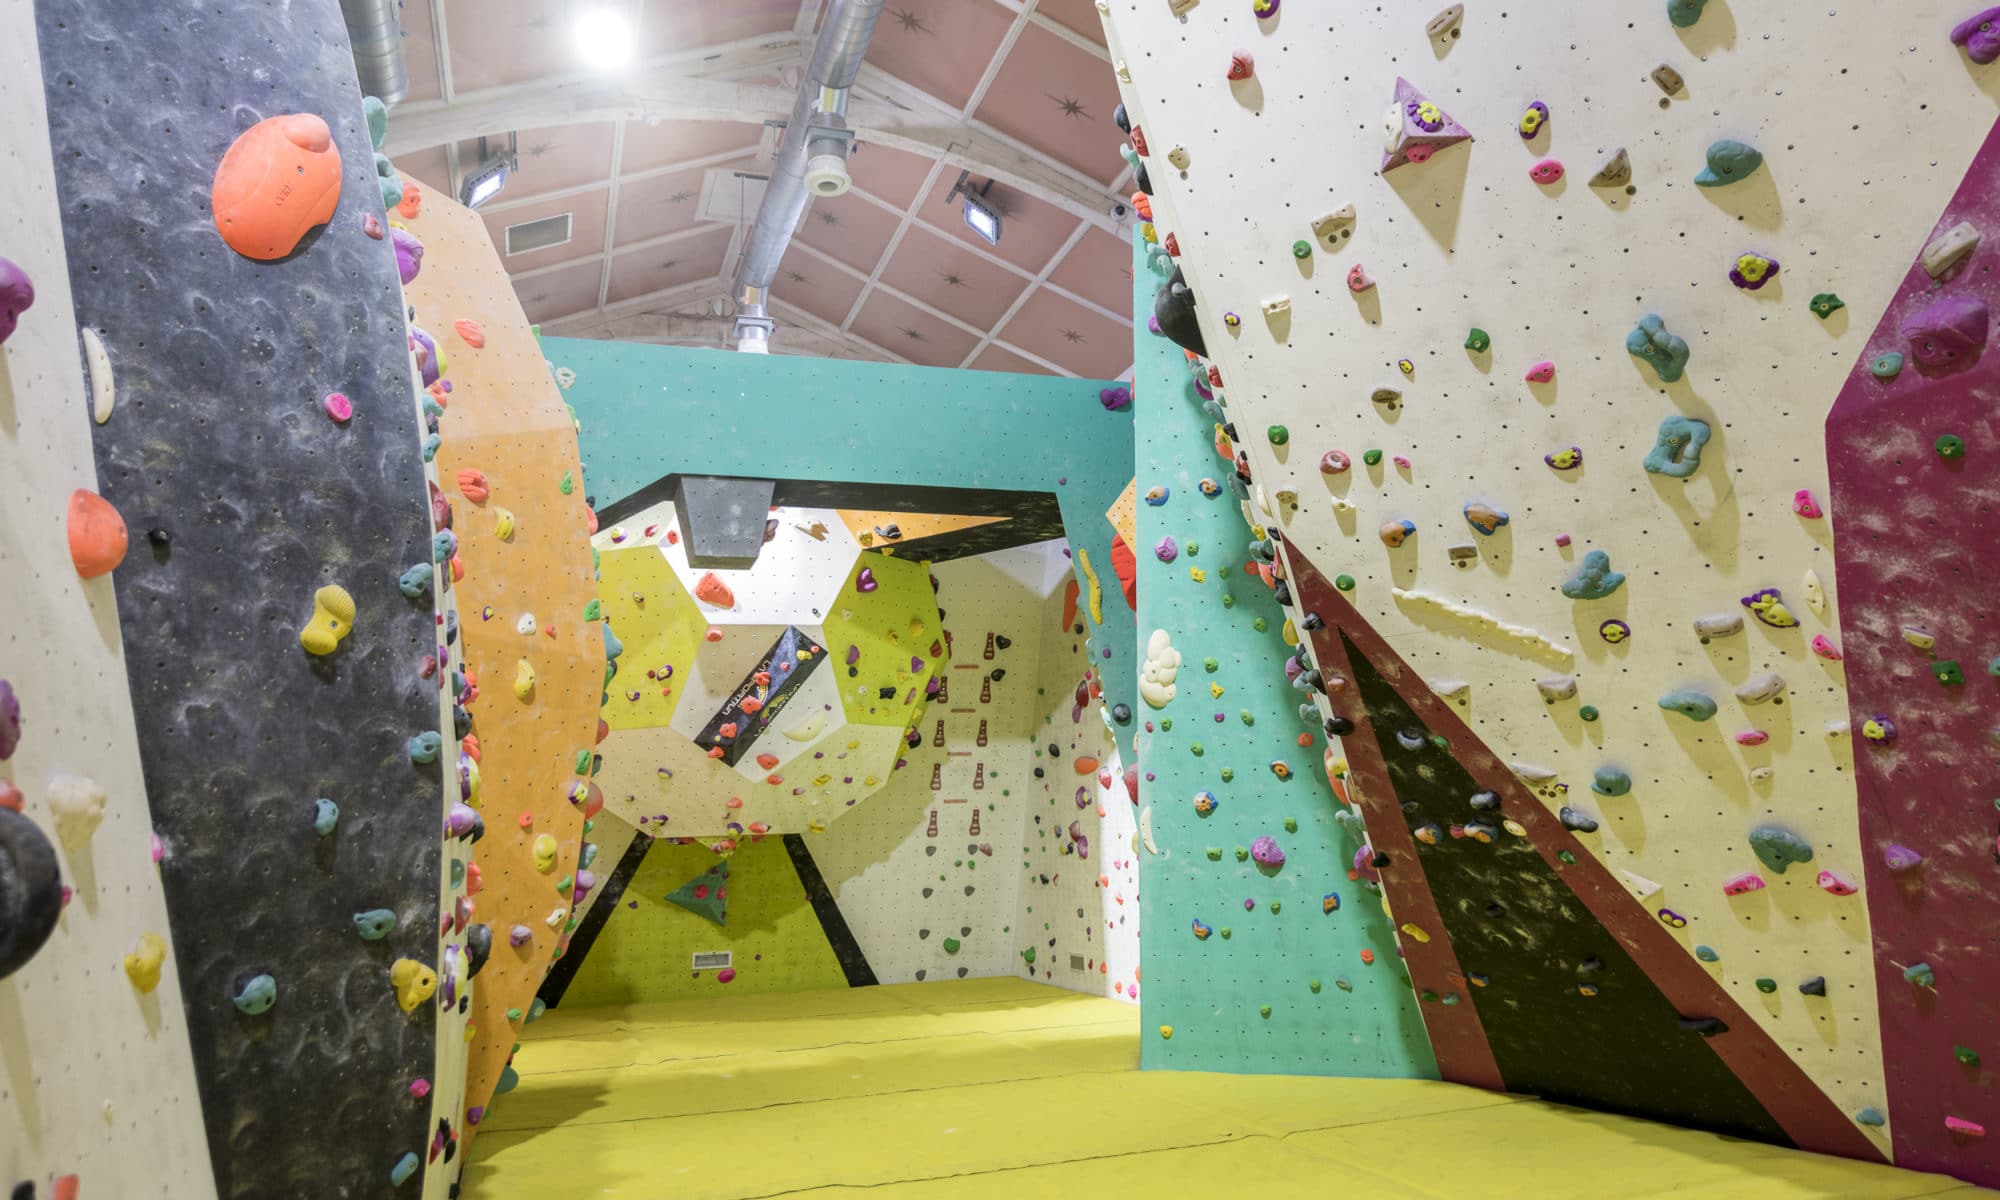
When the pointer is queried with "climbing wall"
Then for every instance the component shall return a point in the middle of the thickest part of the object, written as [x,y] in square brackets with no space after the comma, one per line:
[1078,924]
[103,1100]
[526,595]
[219,438]
[1911,456]
[868,423]
[1545,407]
[1324,960]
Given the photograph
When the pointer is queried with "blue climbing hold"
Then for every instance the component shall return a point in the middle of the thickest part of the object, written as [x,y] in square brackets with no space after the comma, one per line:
[326,815]
[1691,704]
[257,995]
[424,747]
[1594,578]
[1610,781]
[416,581]
[1650,341]
[1677,451]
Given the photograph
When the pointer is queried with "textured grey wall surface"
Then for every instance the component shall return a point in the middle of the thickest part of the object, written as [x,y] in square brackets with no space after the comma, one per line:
[218,438]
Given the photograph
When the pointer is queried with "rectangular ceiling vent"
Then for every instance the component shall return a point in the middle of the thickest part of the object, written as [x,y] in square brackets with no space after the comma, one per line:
[538,234]
[731,196]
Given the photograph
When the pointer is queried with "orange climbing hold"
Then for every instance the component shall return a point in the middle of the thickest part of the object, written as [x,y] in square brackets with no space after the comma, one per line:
[1126,567]
[470,744]
[412,204]
[710,589]
[470,333]
[1085,765]
[472,485]
[751,705]
[767,761]
[96,534]
[279,180]
[1070,592]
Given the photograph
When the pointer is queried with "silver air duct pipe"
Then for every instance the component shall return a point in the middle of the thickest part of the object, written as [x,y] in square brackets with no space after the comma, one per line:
[811,160]
[377,39]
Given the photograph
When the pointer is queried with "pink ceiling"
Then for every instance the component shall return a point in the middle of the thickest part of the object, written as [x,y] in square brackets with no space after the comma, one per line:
[669,265]
[1099,269]
[1068,333]
[850,229]
[1030,230]
[912,332]
[1058,98]
[813,283]
[586,229]
[941,46]
[559,292]
[888,174]
[659,205]
[947,275]
[670,26]
[670,142]
[1048,91]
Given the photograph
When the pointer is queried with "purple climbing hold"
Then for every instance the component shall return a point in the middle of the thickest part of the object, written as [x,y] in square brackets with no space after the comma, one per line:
[409,254]
[1980,35]
[1948,334]
[865,582]
[1265,850]
[853,655]
[520,936]
[1901,858]
[10,720]
[425,348]
[17,292]
[1115,399]
[1166,551]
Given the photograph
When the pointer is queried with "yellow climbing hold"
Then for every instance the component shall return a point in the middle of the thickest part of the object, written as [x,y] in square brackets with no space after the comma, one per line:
[503,524]
[1415,933]
[333,616]
[524,679]
[414,983]
[545,853]
[1166,1031]
[142,966]
[1096,590]
[1215,691]
[1290,634]
[1197,574]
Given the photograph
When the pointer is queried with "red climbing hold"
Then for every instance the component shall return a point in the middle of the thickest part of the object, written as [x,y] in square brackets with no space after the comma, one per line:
[710,589]
[279,179]
[96,534]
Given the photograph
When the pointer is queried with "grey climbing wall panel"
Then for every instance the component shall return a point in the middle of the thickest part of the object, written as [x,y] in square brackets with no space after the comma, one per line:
[217,438]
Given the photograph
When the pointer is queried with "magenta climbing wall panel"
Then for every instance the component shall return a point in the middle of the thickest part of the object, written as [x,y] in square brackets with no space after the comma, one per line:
[1914,459]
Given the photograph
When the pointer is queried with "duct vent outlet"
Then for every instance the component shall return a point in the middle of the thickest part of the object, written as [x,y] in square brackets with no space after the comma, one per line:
[711,960]
[538,234]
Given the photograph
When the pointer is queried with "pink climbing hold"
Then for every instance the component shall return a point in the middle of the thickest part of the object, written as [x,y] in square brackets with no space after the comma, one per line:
[1960,1127]
[1825,648]
[1744,884]
[1359,280]
[1333,462]
[865,582]
[1901,858]
[1546,172]
[1541,372]
[1807,507]
[338,407]
[726,975]
[1752,737]
[1837,884]
[17,293]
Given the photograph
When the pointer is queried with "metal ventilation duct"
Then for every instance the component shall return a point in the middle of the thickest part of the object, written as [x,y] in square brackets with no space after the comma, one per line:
[377,39]
[817,132]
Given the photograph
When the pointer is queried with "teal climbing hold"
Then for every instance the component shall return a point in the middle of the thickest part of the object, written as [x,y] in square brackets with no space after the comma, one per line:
[1594,579]
[1676,452]
[416,581]
[405,1167]
[326,816]
[375,924]
[1871,1117]
[1691,704]
[1888,366]
[1650,342]
[612,646]
[1610,781]
[1729,162]
[1707,954]
[257,995]
[424,747]
[1778,848]
[443,546]
[1684,13]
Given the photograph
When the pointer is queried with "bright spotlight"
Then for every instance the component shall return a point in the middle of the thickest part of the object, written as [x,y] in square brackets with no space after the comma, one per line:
[603,38]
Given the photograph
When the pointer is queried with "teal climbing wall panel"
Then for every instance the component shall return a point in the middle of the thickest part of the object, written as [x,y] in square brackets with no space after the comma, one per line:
[651,411]
[1212,992]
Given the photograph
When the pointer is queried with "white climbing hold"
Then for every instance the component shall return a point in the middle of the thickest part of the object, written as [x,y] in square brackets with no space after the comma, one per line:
[1458,691]
[1519,635]
[78,805]
[1263,503]
[526,625]
[565,378]
[1557,687]
[809,730]
[1760,774]
[1643,889]
[1146,829]
[1950,248]
[1717,625]
[1760,688]
[1814,593]
[1533,772]
[1276,305]
[103,387]
[1163,662]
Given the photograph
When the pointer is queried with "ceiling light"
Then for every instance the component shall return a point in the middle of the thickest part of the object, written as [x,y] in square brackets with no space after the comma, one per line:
[603,38]
[981,216]
[485,180]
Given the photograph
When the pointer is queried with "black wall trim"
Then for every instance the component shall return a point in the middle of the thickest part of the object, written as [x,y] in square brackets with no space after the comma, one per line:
[613,890]
[852,961]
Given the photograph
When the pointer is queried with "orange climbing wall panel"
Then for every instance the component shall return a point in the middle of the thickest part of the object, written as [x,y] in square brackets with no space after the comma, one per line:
[506,418]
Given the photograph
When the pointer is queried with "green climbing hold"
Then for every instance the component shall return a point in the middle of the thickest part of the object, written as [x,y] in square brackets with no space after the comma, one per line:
[1344,582]
[1314,985]
[1278,434]
[1224,931]
[1372,457]
[1888,366]
[1260,624]
[593,611]
[1966,1055]
[582,766]
[1210,665]
[1264,1010]
[1195,749]
[1192,547]
[1242,854]
[1948,672]
[1767,986]
[1228,600]
[1440,741]
[1276,905]
[1478,341]
[1228,773]
[1565,856]
[1826,304]
[567,485]
[515,1014]
[1291,824]
[1588,712]
[1166,723]
[1215,854]
[951,945]
[1301,249]
[1950,445]
[1029,955]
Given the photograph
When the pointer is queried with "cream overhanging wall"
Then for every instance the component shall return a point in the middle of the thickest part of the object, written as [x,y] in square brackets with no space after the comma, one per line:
[1866,120]
[96,1078]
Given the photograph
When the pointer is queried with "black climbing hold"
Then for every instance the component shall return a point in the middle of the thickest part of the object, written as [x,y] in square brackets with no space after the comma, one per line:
[1705,1026]
[1338,726]
[887,693]
[1119,119]
[1173,307]
[1496,909]
[1284,594]
[1143,180]
[1816,986]
[1229,430]
[1002,641]
[1575,821]
[1055,751]
[1380,860]
[30,890]
[478,944]
[998,674]
[160,538]
[461,721]
[1039,773]
[1122,713]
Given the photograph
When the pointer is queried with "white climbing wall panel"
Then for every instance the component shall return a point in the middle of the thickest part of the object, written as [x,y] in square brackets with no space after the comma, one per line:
[1866,117]
[96,1079]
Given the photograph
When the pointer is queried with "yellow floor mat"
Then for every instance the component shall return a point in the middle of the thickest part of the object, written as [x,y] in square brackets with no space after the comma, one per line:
[996,1088]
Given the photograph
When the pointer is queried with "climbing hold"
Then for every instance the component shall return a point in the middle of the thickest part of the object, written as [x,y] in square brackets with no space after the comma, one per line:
[1778,848]
[10,722]
[1156,681]
[710,589]
[1444,25]
[1615,171]
[1684,13]
[1541,372]
[1693,705]
[1980,35]
[1333,462]
[77,804]
[1266,852]
[1610,781]
[1950,248]
[1728,162]
[1947,672]
[1372,458]
[1948,334]
[544,851]
[1484,518]
[17,295]
[1825,304]
[1533,118]
[1752,271]
[1738,885]
[503,524]
[1546,172]
[1676,450]
[1335,227]
[279,179]
[469,332]
[1664,352]
[1837,884]
[332,619]
[1760,688]
[1278,434]
[1878,728]
[1556,687]
[1816,986]
[1887,366]
[1806,506]
[97,537]
[1768,606]
[1962,1128]
[1358,280]
[1478,340]
[1920,974]
[414,983]
[1871,1117]
[444,544]
[1949,446]
[409,262]
[425,747]
[1575,821]
[1565,460]
[257,995]
[326,817]
[473,486]
[1594,579]
[1395,532]
[375,924]
[1414,128]
[1241,66]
